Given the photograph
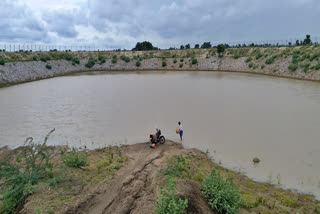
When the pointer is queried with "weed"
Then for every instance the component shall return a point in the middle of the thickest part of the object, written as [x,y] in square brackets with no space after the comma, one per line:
[222,195]
[48,66]
[138,63]
[293,66]
[249,59]
[125,58]
[270,60]
[194,61]
[75,158]
[91,62]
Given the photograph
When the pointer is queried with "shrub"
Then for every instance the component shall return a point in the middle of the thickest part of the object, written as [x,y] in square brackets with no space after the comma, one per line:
[222,195]
[177,167]
[295,59]
[169,202]
[249,59]
[220,49]
[236,56]
[2,61]
[181,65]
[314,56]
[44,58]
[194,61]
[68,57]
[75,158]
[91,62]
[258,56]
[270,60]
[35,58]
[125,58]
[317,66]
[251,65]
[164,63]
[174,61]
[48,66]
[114,60]
[76,60]
[18,179]
[181,60]
[138,63]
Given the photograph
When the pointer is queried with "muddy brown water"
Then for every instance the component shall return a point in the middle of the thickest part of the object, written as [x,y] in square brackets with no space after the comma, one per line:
[236,117]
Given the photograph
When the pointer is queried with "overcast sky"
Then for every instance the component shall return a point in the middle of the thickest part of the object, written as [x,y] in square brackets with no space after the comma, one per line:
[122,23]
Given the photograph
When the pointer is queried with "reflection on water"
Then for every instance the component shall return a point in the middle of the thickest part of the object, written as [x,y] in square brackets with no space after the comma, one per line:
[234,116]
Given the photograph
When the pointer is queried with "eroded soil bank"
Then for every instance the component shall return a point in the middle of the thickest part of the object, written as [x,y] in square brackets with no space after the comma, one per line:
[131,184]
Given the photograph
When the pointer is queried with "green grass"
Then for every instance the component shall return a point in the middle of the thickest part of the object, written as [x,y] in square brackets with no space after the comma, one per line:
[293,66]
[270,60]
[75,158]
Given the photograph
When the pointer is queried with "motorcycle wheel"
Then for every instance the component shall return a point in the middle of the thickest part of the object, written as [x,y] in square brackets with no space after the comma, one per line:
[162,140]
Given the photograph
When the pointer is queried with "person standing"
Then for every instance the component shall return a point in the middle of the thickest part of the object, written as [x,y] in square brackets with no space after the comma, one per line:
[180,130]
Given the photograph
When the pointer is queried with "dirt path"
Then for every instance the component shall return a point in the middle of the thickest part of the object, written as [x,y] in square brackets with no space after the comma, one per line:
[133,189]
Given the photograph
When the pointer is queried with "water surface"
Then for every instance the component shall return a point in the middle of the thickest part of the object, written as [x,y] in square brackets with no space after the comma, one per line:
[234,116]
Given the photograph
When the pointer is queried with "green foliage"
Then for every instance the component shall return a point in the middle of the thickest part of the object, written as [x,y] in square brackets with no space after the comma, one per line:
[249,59]
[259,55]
[138,63]
[2,61]
[307,40]
[270,60]
[102,59]
[75,158]
[196,46]
[54,181]
[144,46]
[76,60]
[44,57]
[48,66]
[194,61]
[181,65]
[68,56]
[314,56]
[177,167]
[251,65]
[220,49]
[174,61]
[222,195]
[17,180]
[91,62]
[317,66]
[206,45]
[35,58]
[125,58]
[164,63]
[169,202]
[293,66]
[114,59]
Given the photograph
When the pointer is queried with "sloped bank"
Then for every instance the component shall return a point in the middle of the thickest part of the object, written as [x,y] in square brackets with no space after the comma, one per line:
[19,72]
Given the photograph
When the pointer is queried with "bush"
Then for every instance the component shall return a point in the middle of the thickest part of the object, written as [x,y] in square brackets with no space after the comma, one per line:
[44,58]
[169,202]
[181,65]
[164,63]
[270,60]
[125,58]
[222,195]
[68,57]
[48,66]
[76,60]
[91,62]
[17,180]
[2,61]
[251,65]
[138,63]
[317,66]
[249,59]
[314,56]
[75,158]
[194,61]
[220,49]
[35,58]
[114,60]
[174,61]
[258,56]
[181,60]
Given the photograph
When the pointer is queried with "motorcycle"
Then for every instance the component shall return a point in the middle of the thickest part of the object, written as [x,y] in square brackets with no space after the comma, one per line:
[157,138]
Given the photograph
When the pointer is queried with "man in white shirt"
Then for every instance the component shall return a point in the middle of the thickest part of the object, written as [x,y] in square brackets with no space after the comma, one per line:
[180,130]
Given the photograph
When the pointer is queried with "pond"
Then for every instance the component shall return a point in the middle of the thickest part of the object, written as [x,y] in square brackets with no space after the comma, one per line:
[235,117]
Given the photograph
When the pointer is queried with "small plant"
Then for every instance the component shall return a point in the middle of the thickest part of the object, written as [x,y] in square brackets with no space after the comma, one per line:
[169,202]
[164,63]
[270,60]
[258,55]
[44,58]
[194,61]
[293,66]
[91,62]
[125,58]
[249,59]
[2,61]
[251,65]
[114,59]
[75,158]
[138,63]
[181,60]
[35,58]
[180,65]
[48,66]
[220,49]
[222,195]
[76,60]
[174,61]
[317,66]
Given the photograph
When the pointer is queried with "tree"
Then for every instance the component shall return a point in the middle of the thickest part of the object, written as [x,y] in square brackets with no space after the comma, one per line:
[144,46]
[196,46]
[206,45]
[307,40]
[221,48]
[181,47]
[297,42]
[290,43]
[187,46]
